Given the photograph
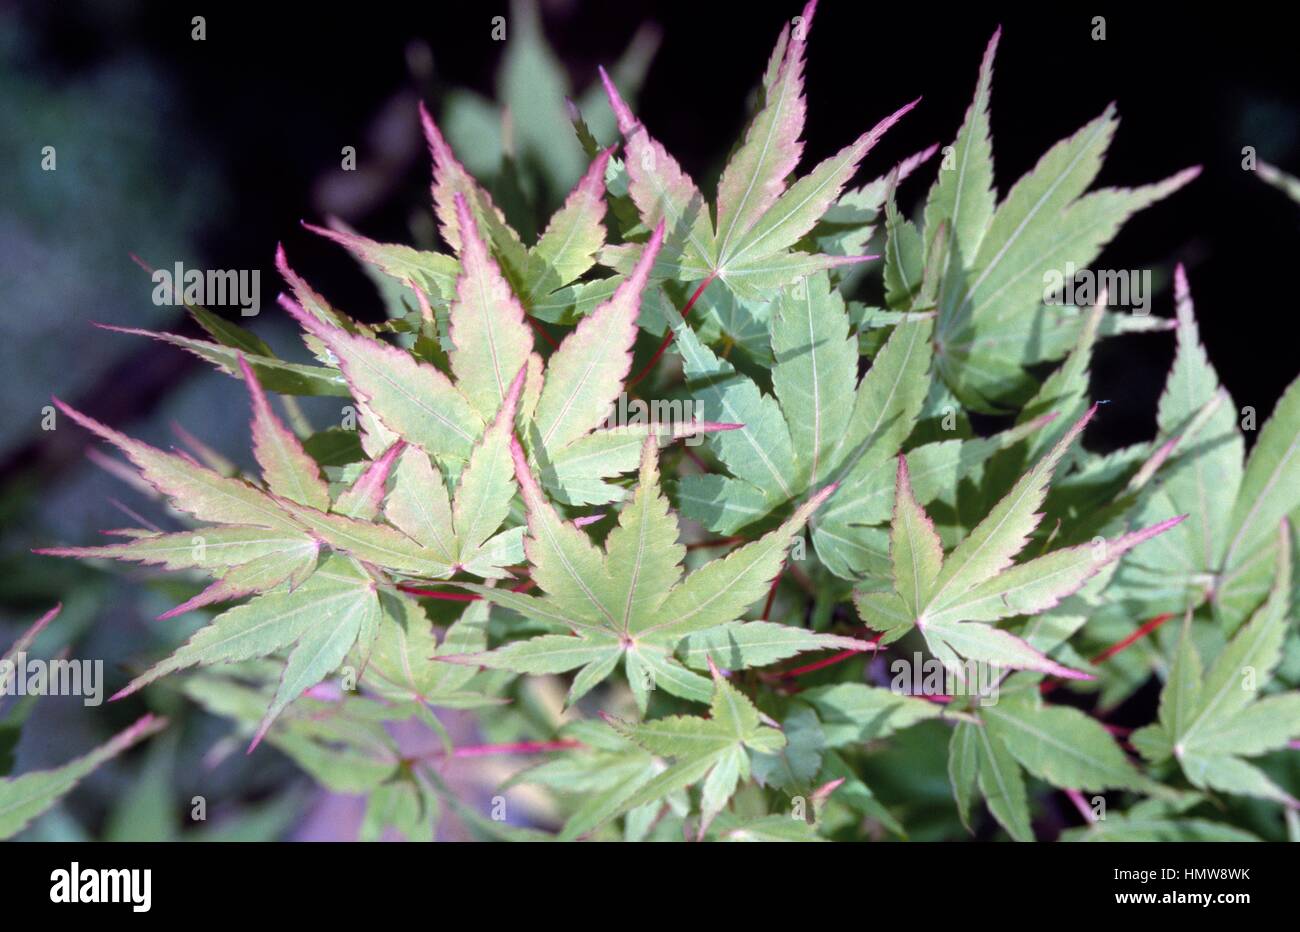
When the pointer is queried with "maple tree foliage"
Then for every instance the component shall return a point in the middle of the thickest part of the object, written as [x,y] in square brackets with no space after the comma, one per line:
[716,596]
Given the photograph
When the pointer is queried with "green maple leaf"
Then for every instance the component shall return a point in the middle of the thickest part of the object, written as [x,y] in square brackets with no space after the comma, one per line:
[823,422]
[1225,553]
[630,603]
[316,612]
[991,320]
[318,623]
[1057,744]
[759,219]
[25,797]
[259,546]
[539,275]
[1210,720]
[561,410]
[602,773]
[715,750]
[340,740]
[567,247]
[952,599]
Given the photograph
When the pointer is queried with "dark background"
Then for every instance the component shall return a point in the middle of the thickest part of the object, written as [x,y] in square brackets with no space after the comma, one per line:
[276,89]
[214,151]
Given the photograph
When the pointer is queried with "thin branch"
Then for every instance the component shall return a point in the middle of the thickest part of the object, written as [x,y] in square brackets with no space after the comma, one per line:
[668,337]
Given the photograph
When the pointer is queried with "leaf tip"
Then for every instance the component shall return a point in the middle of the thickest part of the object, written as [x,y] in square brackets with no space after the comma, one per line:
[622,113]
[433,136]
[1182,291]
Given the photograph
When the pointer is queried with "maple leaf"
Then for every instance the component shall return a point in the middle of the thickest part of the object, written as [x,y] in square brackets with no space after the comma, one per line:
[318,611]
[952,599]
[1225,553]
[1058,744]
[991,320]
[561,411]
[260,546]
[823,421]
[318,622]
[25,797]
[1209,720]
[564,251]
[759,218]
[716,750]
[630,602]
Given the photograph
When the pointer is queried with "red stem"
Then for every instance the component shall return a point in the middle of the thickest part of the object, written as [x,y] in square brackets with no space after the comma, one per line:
[1048,685]
[541,332]
[720,542]
[694,458]
[819,664]
[771,596]
[668,337]
[455,596]
[1133,638]
[1079,803]
[439,594]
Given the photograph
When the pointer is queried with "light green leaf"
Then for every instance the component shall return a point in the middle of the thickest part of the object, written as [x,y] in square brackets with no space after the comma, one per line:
[1060,744]
[24,798]
[816,361]
[1002,785]
[741,645]
[339,592]
[712,749]
[963,193]
[853,713]
[490,340]
[914,547]
[192,488]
